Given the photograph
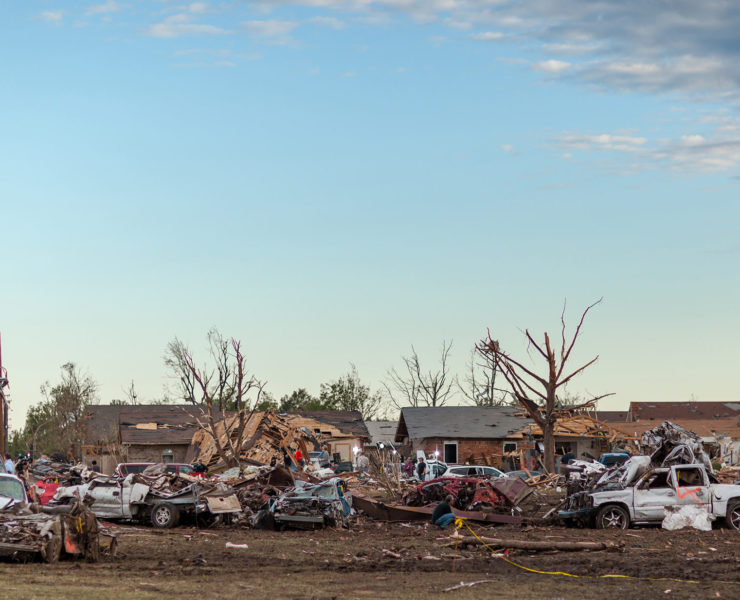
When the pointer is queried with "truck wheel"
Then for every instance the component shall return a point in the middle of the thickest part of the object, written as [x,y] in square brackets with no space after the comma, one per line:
[733,516]
[612,517]
[165,515]
[53,549]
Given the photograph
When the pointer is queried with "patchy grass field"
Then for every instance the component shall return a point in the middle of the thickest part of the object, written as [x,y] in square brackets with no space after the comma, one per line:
[364,563]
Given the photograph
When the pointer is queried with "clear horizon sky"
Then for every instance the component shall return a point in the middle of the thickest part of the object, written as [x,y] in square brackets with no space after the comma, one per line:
[332,181]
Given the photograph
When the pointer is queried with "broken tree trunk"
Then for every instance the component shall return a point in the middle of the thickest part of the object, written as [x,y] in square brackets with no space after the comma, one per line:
[462,541]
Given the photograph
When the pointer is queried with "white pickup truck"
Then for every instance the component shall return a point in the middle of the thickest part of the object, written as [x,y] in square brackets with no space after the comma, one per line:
[644,500]
[116,498]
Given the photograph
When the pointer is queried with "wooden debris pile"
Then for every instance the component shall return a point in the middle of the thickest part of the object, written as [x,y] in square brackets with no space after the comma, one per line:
[267,435]
[728,474]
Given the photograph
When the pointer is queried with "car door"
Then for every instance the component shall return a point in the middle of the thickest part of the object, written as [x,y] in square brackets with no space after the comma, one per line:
[489,472]
[652,493]
[691,485]
[107,500]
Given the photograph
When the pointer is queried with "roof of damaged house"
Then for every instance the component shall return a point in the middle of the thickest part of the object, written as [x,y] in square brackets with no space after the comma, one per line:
[140,424]
[468,422]
[168,425]
[382,431]
[662,411]
[348,422]
[613,416]
[588,427]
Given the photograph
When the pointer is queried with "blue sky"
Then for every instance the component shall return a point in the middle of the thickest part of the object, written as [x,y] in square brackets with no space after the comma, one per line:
[332,181]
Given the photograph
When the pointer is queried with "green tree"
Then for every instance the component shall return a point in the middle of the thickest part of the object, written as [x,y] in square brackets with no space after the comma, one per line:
[57,423]
[300,399]
[267,402]
[349,393]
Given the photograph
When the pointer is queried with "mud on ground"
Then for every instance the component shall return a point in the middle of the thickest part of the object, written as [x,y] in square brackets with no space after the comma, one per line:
[364,563]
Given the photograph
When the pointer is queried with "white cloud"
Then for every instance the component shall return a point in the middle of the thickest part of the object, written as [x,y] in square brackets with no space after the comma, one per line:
[107,7]
[52,16]
[349,74]
[269,27]
[602,141]
[458,24]
[508,148]
[488,36]
[331,22]
[686,154]
[552,66]
[197,8]
[179,25]
[202,51]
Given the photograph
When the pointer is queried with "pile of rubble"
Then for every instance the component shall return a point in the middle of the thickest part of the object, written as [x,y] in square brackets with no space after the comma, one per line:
[267,436]
[71,530]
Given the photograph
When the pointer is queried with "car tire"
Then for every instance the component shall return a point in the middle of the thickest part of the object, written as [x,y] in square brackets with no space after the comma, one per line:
[52,550]
[612,516]
[733,516]
[165,515]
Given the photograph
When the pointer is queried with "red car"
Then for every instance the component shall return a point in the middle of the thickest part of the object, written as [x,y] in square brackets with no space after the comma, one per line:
[46,488]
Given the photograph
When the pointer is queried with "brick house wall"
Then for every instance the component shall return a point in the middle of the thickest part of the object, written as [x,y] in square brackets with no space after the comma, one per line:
[467,448]
[153,452]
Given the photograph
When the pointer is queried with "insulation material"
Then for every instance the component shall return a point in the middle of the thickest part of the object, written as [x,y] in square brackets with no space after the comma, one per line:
[687,515]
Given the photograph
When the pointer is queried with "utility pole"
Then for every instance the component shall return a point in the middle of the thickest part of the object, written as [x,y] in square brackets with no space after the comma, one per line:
[3,405]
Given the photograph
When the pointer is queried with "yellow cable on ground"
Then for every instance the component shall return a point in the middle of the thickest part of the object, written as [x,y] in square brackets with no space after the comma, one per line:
[460,521]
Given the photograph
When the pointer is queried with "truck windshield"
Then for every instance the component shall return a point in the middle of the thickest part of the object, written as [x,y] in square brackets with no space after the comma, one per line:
[10,488]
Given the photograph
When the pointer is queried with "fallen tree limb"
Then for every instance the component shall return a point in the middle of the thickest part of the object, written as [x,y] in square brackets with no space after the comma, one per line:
[463,541]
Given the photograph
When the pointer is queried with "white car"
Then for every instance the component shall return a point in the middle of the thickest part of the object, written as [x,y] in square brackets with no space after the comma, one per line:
[472,471]
[434,469]
[12,491]
[644,500]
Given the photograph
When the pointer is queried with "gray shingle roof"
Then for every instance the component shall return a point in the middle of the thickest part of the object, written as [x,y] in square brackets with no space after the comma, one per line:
[475,422]
[381,431]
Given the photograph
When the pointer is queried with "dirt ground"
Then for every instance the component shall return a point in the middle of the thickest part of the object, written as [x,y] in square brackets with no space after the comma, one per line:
[363,563]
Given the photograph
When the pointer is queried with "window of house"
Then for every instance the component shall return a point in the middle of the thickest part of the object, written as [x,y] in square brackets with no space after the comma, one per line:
[509,446]
[168,456]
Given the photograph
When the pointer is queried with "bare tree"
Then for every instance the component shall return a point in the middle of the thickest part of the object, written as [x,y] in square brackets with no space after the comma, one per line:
[220,387]
[225,392]
[479,384]
[415,387]
[538,394]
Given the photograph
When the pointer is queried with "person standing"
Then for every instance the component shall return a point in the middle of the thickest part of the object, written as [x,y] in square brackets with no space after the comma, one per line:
[95,466]
[421,469]
[286,460]
[300,460]
[9,465]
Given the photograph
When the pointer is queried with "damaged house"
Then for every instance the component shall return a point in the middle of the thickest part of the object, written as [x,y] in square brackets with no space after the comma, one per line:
[142,433]
[165,433]
[267,434]
[459,434]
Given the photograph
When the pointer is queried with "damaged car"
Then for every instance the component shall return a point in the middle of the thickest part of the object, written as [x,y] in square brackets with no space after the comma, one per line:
[312,505]
[153,496]
[640,496]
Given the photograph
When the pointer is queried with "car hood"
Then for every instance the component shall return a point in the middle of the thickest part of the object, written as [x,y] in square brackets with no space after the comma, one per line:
[724,491]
